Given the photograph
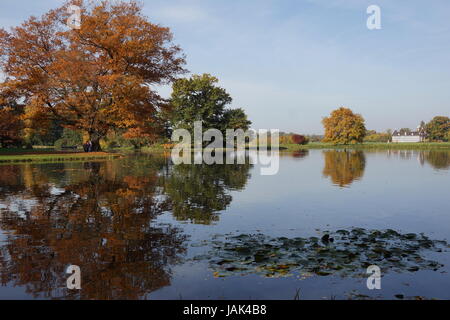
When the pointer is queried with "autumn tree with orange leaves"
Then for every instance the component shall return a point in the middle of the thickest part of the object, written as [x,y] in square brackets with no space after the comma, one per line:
[96,78]
[344,127]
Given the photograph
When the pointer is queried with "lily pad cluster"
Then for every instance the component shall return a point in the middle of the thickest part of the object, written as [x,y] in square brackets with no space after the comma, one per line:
[343,252]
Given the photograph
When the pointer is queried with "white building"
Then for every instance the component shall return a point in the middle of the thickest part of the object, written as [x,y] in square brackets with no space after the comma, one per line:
[415,136]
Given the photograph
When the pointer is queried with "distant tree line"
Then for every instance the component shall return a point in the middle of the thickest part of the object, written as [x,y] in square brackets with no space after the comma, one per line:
[343,126]
[198,98]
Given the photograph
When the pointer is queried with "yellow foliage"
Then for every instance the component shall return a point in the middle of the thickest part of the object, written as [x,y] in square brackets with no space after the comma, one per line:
[344,127]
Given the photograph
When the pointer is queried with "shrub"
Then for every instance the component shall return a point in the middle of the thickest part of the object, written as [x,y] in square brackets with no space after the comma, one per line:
[60,143]
[377,137]
[112,144]
[299,139]
[293,139]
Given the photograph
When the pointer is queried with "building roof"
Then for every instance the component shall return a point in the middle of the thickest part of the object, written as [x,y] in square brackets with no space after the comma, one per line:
[420,132]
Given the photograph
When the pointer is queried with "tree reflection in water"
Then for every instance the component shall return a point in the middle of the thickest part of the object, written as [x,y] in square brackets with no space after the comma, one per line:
[344,167]
[439,160]
[198,193]
[101,217]
[102,221]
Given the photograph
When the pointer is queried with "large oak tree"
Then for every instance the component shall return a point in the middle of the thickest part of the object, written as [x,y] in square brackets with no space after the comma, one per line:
[95,78]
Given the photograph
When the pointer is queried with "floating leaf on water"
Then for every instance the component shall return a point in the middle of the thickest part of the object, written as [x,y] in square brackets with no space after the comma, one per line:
[323,273]
[260,257]
[223,261]
[217,275]
[202,257]
[243,250]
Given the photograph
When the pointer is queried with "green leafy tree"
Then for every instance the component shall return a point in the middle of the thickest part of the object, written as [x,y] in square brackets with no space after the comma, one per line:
[438,129]
[50,136]
[70,138]
[236,119]
[373,136]
[344,127]
[200,99]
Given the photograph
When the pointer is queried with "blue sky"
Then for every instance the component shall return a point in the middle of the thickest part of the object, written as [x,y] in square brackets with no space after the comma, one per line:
[288,63]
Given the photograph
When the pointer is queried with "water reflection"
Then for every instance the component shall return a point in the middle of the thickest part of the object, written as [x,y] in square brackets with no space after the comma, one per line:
[298,155]
[103,216]
[344,167]
[437,159]
[197,193]
[101,221]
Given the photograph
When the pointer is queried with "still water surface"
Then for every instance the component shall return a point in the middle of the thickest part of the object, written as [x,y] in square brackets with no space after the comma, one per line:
[142,228]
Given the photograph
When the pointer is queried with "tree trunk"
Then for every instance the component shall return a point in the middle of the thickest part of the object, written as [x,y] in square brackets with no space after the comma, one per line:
[96,145]
[94,137]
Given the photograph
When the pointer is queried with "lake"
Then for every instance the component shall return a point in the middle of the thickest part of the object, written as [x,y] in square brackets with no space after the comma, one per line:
[140,227]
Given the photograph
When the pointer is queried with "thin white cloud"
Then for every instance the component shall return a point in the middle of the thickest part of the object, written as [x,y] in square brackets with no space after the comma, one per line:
[345,4]
[181,14]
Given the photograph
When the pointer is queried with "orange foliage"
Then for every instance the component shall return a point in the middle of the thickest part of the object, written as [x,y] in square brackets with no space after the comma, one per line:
[344,127]
[168,146]
[93,79]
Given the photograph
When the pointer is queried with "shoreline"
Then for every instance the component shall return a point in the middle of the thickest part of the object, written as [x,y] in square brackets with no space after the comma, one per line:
[420,146]
[29,156]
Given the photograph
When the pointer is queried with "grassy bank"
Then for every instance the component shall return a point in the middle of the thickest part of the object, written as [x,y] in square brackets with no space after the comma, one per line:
[37,150]
[40,155]
[371,146]
[320,145]
[155,148]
